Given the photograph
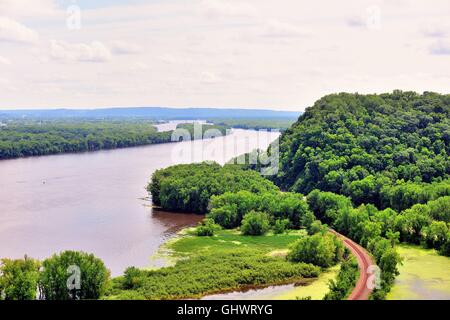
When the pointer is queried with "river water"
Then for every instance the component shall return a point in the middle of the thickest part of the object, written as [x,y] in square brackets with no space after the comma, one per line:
[97,202]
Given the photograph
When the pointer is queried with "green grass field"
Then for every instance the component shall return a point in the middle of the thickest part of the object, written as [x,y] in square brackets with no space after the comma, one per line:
[424,275]
[227,241]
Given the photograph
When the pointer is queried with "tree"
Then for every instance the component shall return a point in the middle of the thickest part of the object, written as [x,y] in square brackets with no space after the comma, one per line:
[19,278]
[73,275]
[436,234]
[225,216]
[440,209]
[323,250]
[255,223]
[411,221]
[317,227]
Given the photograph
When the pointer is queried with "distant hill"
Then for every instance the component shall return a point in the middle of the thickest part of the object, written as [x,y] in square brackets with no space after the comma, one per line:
[159,113]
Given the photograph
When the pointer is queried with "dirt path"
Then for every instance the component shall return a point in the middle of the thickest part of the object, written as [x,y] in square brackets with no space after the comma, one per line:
[361,291]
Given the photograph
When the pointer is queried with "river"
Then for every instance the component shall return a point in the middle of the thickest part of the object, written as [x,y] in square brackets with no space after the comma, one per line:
[96,201]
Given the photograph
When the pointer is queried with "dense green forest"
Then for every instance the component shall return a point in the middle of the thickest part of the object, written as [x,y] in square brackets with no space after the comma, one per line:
[189,187]
[359,145]
[22,138]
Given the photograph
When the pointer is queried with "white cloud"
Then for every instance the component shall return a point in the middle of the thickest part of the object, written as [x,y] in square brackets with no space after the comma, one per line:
[82,52]
[3,60]
[208,77]
[440,48]
[221,8]
[139,66]
[356,22]
[278,29]
[122,47]
[13,31]
[28,8]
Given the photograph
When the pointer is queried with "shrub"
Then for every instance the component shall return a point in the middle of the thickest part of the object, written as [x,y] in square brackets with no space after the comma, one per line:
[280,226]
[207,228]
[255,223]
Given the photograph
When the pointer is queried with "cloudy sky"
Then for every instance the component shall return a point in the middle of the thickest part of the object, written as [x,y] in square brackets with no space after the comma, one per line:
[278,54]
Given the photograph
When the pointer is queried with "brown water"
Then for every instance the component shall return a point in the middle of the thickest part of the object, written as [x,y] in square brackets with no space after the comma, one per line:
[97,202]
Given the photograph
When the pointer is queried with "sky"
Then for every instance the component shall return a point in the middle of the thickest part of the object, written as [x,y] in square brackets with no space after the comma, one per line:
[273,54]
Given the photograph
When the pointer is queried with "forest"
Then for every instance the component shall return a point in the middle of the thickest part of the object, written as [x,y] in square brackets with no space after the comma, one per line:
[363,146]
[24,138]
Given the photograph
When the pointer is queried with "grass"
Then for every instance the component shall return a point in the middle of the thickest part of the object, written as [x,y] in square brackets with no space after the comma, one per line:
[316,290]
[424,275]
[229,240]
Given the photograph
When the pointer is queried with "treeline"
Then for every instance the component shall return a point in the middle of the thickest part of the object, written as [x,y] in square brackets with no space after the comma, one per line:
[255,124]
[70,275]
[355,145]
[23,138]
[189,187]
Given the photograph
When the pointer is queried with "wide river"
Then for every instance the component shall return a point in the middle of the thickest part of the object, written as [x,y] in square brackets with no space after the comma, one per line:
[97,202]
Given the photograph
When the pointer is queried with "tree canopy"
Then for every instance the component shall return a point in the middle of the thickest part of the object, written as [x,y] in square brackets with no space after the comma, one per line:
[355,145]
[189,187]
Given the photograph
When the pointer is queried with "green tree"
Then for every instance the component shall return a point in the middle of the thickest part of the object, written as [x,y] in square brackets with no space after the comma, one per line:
[255,223]
[19,279]
[323,250]
[436,234]
[58,280]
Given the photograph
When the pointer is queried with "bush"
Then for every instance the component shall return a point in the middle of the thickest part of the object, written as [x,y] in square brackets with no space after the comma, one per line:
[132,278]
[55,278]
[323,250]
[207,228]
[255,223]
[280,226]
[317,227]
[19,278]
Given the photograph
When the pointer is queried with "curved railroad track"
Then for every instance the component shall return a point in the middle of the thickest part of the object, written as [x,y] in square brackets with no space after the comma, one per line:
[361,290]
